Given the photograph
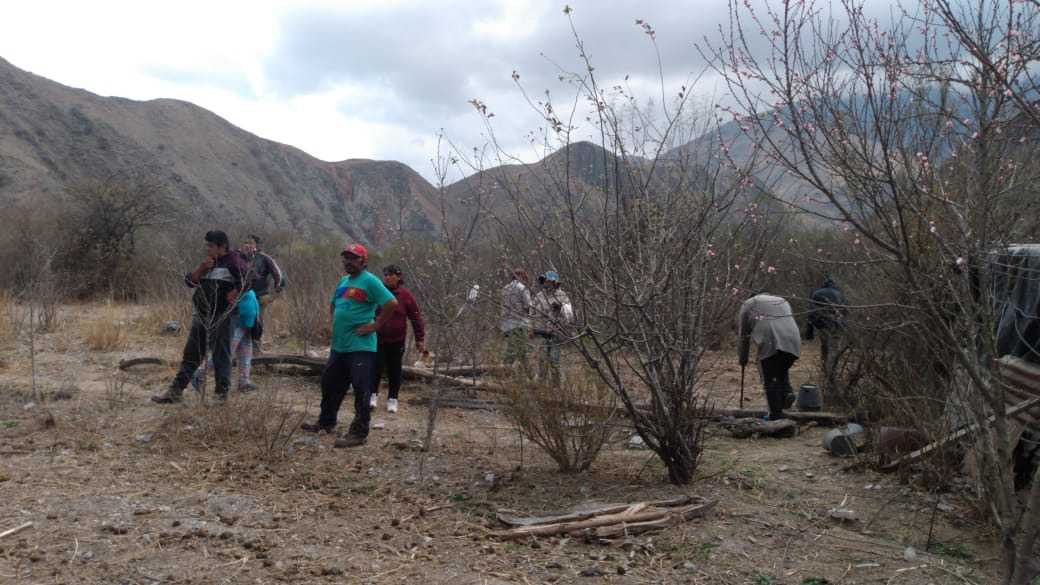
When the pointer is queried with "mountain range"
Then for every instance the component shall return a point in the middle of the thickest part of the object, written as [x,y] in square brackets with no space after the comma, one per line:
[53,137]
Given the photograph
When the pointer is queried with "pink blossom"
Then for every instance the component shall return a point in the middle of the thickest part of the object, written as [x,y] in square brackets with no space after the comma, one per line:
[770,270]
[960,261]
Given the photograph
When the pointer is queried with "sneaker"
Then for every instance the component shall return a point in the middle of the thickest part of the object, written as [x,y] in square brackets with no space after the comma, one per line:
[374,401]
[315,427]
[171,396]
[248,387]
[391,405]
[789,400]
[349,440]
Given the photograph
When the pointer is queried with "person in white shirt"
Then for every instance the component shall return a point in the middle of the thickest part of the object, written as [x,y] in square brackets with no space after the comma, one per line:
[515,322]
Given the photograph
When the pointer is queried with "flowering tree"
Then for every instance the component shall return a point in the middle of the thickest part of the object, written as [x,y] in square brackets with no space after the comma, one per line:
[919,136]
[654,243]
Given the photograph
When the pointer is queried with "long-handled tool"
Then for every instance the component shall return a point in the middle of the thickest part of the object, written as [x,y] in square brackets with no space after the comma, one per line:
[742,387]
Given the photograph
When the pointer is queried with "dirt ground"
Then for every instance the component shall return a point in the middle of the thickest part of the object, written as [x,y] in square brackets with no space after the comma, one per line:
[120,490]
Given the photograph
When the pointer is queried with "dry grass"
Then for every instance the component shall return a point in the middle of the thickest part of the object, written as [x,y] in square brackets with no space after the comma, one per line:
[256,425]
[107,332]
[12,316]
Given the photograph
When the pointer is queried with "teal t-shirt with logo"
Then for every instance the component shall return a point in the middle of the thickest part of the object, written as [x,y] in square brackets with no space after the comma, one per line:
[355,302]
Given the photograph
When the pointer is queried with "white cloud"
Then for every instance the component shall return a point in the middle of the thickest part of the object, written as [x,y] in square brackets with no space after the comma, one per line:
[344,79]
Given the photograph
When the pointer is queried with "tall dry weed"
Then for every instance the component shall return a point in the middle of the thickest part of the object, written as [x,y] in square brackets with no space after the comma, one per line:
[107,332]
[255,425]
[12,316]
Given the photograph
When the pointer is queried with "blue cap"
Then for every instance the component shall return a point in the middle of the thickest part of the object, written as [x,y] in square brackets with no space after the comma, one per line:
[551,275]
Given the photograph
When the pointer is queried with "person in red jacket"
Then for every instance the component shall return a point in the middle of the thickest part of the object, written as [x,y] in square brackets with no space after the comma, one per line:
[391,337]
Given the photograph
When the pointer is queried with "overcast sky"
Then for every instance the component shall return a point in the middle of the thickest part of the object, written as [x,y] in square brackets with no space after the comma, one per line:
[345,79]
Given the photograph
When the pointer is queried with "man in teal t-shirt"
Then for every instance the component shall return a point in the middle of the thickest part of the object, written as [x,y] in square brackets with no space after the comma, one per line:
[352,356]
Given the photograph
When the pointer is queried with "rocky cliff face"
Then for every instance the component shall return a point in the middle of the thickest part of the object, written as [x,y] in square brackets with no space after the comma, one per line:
[52,136]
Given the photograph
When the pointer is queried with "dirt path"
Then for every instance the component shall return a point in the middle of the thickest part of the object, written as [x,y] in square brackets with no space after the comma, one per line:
[119,490]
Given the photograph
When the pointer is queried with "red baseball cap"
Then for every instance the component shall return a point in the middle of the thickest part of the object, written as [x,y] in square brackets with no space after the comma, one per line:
[355,249]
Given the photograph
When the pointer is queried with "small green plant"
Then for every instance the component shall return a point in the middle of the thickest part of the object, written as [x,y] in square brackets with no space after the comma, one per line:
[12,423]
[815,581]
[957,552]
[458,496]
[705,549]
[762,579]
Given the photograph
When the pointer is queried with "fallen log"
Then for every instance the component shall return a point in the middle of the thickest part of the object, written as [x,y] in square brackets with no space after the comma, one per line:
[613,520]
[428,375]
[630,529]
[746,427]
[801,416]
[314,366]
[471,404]
[934,446]
[586,512]
[154,361]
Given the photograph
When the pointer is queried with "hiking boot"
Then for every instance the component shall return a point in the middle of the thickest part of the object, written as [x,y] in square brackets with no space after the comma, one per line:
[391,405]
[789,400]
[248,387]
[374,401]
[316,427]
[171,396]
[350,440]
[220,398]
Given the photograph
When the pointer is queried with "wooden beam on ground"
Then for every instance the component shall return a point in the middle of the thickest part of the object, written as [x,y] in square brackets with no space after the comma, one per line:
[428,375]
[923,451]
[471,404]
[800,416]
[746,427]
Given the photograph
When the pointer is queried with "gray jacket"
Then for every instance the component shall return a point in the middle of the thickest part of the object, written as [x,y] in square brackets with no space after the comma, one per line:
[768,320]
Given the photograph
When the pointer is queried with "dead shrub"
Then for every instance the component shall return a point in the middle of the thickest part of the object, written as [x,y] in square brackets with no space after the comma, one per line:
[117,389]
[571,423]
[12,316]
[257,423]
[107,332]
[315,271]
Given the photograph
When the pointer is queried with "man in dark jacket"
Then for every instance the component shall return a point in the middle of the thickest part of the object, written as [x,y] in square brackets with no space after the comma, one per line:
[828,310]
[218,280]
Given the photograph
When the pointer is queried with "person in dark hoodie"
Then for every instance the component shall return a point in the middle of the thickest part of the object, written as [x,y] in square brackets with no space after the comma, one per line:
[828,310]
[218,280]
[391,336]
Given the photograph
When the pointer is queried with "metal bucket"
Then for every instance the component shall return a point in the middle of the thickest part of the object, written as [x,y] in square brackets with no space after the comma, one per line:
[808,397]
[846,440]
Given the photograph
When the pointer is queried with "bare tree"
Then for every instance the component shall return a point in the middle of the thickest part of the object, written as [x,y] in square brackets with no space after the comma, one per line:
[912,132]
[655,245]
[109,212]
